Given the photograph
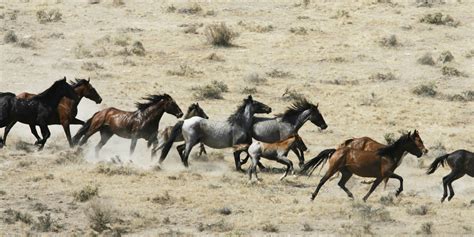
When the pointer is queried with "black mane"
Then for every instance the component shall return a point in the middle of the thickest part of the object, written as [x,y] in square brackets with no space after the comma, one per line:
[390,149]
[151,100]
[238,116]
[48,91]
[78,82]
[296,108]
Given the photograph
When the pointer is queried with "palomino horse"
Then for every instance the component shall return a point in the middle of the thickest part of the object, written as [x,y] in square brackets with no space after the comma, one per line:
[67,108]
[34,111]
[461,162]
[379,164]
[140,124]
[281,127]
[193,110]
[235,130]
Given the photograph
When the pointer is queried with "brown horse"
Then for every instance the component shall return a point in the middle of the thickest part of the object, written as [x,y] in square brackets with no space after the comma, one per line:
[142,123]
[379,164]
[67,108]
[461,162]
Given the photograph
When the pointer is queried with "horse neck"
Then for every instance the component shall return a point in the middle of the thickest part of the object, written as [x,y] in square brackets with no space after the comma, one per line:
[51,97]
[248,115]
[152,115]
[190,114]
[300,120]
[398,152]
[80,93]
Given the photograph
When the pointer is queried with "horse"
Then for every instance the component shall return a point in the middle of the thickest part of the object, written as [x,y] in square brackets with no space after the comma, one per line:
[379,164]
[34,111]
[67,108]
[284,125]
[218,134]
[140,124]
[461,162]
[273,151]
[193,110]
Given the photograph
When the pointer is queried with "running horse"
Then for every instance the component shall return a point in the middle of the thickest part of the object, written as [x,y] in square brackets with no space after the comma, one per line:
[140,124]
[67,108]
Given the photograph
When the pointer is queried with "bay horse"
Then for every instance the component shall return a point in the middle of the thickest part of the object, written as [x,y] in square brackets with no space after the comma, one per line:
[379,164]
[67,108]
[277,151]
[34,111]
[140,124]
[287,124]
[461,162]
[163,136]
[237,129]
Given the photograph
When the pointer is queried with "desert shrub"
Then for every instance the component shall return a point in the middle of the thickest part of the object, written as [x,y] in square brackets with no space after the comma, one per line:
[219,35]
[111,170]
[52,15]
[100,215]
[69,157]
[120,40]
[163,199]
[193,9]
[439,19]
[469,54]
[220,226]
[268,227]
[171,9]
[451,71]
[47,224]
[3,193]
[10,37]
[291,95]
[192,29]
[299,30]
[388,200]
[184,70]
[27,43]
[86,193]
[389,41]
[249,90]
[91,66]
[210,91]
[307,227]
[370,100]
[129,62]
[445,57]
[224,211]
[40,207]
[341,14]
[255,78]
[278,73]
[209,156]
[463,96]
[419,211]
[138,49]
[426,228]
[253,27]
[11,216]
[367,212]
[118,3]
[383,77]
[426,90]
[215,57]
[80,51]
[426,59]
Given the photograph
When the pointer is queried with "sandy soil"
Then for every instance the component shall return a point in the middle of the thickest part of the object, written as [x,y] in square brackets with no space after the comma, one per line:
[331,52]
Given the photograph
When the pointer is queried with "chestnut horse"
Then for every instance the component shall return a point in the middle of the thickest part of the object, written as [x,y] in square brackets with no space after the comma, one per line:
[67,108]
[461,162]
[379,164]
[142,123]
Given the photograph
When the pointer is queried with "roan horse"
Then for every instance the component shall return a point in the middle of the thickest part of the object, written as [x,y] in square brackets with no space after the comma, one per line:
[281,127]
[34,111]
[219,134]
[461,162]
[67,108]
[379,164]
[142,123]
[163,136]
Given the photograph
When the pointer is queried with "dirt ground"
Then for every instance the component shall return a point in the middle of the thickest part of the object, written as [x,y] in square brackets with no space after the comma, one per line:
[358,59]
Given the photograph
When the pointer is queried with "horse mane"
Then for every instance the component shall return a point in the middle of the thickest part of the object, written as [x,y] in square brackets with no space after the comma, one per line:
[296,108]
[77,82]
[390,149]
[151,100]
[238,116]
[47,91]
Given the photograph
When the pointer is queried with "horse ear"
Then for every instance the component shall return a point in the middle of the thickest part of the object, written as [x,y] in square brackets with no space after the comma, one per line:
[250,97]
[64,79]
[88,79]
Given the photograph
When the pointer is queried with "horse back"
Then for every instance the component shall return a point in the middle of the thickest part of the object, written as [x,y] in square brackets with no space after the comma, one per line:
[25,96]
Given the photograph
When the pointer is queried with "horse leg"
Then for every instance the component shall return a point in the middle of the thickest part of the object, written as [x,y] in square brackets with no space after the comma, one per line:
[374,186]
[7,130]
[45,133]
[299,154]
[346,175]
[180,149]
[154,149]
[203,150]
[77,121]
[189,146]
[133,144]
[253,167]
[67,131]
[450,182]
[445,184]
[396,176]
[35,133]
[287,162]
[105,135]
[331,171]
[238,166]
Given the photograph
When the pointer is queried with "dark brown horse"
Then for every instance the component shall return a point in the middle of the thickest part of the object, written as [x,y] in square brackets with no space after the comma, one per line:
[142,123]
[461,162]
[379,164]
[67,108]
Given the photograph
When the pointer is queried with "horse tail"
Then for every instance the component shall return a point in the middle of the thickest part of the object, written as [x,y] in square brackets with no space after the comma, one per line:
[312,164]
[167,144]
[440,160]
[82,131]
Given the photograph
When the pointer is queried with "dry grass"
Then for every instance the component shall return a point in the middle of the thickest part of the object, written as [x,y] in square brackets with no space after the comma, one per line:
[44,16]
[383,77]
[426,59]
[210,91]
[184,71]
[86,193]
[389,41]
[10,37]
[220,35]
[426,90]
[452,72]
[91,66]
[439,19]
[255,78]
[100,215]
[445,57]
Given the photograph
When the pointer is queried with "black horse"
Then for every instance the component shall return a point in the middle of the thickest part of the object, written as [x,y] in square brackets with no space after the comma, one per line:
[461,162]
[34,111]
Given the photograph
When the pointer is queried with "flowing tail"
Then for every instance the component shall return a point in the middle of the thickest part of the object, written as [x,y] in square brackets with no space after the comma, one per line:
[312,164]
[167,145]
[440,160]
[82,131]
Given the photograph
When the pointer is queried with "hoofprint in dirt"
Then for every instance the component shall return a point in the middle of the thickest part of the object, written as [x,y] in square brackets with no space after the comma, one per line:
[374,67]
